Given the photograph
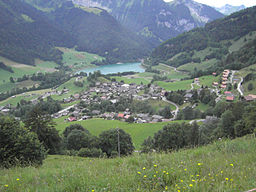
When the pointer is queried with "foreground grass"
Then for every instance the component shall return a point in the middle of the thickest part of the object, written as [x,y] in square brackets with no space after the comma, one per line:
[223,166]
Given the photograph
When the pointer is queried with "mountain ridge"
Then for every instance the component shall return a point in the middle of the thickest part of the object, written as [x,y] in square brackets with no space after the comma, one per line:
[157,20]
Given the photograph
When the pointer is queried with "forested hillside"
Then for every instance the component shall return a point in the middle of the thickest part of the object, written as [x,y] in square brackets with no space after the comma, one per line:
[156,20]
[26,34]
[214,41]
[32,29]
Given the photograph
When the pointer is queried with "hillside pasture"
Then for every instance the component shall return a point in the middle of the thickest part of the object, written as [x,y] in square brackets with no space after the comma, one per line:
[138,132]
[222,166]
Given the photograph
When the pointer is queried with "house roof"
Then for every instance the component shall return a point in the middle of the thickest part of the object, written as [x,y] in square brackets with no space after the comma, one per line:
[230,98]
[120,115]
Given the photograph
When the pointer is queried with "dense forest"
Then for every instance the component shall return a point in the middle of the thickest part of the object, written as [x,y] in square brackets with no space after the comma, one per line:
[217,36]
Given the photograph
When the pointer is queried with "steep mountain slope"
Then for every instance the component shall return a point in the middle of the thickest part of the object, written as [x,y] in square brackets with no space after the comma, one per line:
[215,41]
[25,34]
[229,9]
[32,29]
[155,19]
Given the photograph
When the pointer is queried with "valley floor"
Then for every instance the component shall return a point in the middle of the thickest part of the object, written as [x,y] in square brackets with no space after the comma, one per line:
[222,166]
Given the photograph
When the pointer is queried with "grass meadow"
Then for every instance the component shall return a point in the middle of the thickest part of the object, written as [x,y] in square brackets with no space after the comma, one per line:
[175,86]
[228,166]
[138,132]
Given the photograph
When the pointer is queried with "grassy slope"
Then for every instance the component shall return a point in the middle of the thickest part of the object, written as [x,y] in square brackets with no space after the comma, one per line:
[138,132]
[243,73]
[223,166]
[179,85]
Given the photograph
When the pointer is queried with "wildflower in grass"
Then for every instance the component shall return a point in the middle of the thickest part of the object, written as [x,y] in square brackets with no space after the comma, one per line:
[185,169]
[232,165]
[154,175]
[231,180]
[145,176]
[197,175]
[155,166]
[193,180]
[199,164]
[144,168]
[139,172]
[178,190]
[17,179]
[6,186]
[226,179]
[167,173]
[221,172]
[164,171]
[190,185]
[209,174]
[181,181]
[93,190]
[166,188]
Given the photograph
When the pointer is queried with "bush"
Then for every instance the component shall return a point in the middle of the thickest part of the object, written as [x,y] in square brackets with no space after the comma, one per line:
[78,139]
[18,146]
[94,152]
[70,128]
[109,142]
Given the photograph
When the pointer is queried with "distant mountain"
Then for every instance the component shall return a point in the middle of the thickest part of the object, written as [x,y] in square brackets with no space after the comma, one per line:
[213,42]
[32,29]
[229,9]
[156,20]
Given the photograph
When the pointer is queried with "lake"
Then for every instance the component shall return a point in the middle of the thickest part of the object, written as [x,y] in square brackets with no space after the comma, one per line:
[116,68]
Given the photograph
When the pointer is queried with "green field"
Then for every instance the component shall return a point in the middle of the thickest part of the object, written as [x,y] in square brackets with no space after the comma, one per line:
[159,104]
[174,86]
[199,66]
[208,80]
[138,132]
[170,72]
[130,80]
[78,60]
[228,166]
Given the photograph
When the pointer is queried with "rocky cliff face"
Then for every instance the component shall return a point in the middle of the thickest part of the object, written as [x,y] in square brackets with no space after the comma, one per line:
[229,9]
[157,20]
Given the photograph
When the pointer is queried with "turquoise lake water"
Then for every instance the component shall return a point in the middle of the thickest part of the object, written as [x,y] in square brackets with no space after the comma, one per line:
[116,68]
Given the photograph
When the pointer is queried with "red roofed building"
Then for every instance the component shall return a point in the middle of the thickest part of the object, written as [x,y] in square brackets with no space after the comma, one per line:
[120,115]
[70,119]
[230,98]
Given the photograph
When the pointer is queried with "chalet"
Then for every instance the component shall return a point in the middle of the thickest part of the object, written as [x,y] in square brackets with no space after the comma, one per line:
[223,86]
[71,119]
[230,98]
[228,93]
[224,83]
[215,84]
[120,115]
[250,97]
[76,96]
[214,74]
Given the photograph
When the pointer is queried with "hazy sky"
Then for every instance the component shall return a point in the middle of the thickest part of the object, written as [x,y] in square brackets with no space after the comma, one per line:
[219,3]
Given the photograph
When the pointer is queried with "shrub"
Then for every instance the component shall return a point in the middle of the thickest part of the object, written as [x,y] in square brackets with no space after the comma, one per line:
[19,146]
[70,128]
[109,142]
[94,152]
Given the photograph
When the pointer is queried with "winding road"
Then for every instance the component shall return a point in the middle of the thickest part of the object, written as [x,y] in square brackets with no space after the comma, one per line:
[176,110]
[239,86]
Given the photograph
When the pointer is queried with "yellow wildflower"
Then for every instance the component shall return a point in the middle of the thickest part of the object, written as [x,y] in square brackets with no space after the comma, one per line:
[185,169]
[199,164]
[144,168]
[221,172]
[226,179]
[190,185]
[145,176]
[197,175]
[139,172]
[193,180]
[17,179]
[181,181]
[167,173]
[231,180]
[232,165]
[164,171]
[155,165]
[154,175]
[166,188]
[93,190]
[178,190]
[6,185]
